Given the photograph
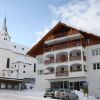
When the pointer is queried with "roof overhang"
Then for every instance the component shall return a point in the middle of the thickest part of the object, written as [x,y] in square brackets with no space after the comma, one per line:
[63,39]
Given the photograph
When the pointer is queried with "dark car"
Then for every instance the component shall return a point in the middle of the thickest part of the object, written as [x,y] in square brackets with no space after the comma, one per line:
[49,93]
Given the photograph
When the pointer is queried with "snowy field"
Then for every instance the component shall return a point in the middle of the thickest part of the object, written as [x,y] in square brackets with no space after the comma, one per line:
[33,95]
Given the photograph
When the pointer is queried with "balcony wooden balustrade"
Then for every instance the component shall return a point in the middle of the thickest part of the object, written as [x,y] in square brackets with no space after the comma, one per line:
[63,46]
[49,62]
[62,59]
[77,58]
[61,73]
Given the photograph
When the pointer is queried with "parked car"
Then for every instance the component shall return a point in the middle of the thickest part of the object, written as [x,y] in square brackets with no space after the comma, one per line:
[49,93]
[65,94]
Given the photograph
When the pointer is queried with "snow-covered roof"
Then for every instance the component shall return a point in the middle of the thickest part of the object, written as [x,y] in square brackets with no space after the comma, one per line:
[22,60]
[14,47]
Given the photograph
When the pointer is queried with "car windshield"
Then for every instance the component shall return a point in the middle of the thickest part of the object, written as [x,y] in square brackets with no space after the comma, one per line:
[49,90]
[61,90]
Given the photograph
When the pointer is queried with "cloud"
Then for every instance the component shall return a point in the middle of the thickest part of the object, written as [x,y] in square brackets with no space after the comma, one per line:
[84,14]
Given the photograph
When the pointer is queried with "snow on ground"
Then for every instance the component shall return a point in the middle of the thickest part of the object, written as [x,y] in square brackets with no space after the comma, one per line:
[33,95]
[81,96]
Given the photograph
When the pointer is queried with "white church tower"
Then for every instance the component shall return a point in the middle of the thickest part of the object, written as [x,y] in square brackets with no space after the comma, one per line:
[4,33]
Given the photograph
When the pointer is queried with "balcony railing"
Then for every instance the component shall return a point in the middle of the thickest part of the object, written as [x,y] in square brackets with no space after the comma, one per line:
[61,73]
[76,70]
[56,60]
[49,62]
[63,59]
[63,46]
[75,57]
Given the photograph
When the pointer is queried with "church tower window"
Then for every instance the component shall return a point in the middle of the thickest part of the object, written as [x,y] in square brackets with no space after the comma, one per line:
[8,62]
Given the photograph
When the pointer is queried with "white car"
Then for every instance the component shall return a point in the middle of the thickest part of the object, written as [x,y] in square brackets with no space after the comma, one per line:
[65,94]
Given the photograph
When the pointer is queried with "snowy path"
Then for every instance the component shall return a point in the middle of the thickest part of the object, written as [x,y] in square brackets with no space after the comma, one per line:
[33,95]
[22,95]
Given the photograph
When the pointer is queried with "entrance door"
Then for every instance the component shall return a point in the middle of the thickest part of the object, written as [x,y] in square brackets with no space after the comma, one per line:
[66,84]
[76,86]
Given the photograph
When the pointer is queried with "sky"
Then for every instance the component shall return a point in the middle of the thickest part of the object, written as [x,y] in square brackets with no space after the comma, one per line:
[29,20]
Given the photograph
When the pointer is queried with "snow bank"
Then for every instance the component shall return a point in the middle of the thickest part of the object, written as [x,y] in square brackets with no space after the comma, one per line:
[34,95]
[81,96]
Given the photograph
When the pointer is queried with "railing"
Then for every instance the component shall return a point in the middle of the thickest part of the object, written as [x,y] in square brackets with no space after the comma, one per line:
[56,60]
[49,62]
[61,73]
[75,57]
[76,70]
[62,59]
[63,46]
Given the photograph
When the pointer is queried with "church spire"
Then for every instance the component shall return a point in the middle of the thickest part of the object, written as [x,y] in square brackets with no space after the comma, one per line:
[4,33]
[5,25]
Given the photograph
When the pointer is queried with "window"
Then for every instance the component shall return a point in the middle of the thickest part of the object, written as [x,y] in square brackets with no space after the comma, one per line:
[96,52]
[96,66]
[40,72]
[14,46]
[15,65]
[85,68]
[11,71]
[22,48]
[23,71]
[8,62]
[34,67]
[24,66]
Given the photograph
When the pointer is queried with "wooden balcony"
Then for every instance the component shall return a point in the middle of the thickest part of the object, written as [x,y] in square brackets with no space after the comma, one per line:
[75,58]
[63,46]
[72,58]
[63,59]
[61,73]
[49,62]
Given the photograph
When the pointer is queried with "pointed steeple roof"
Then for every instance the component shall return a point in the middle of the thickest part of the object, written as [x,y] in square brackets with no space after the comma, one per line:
[5,25]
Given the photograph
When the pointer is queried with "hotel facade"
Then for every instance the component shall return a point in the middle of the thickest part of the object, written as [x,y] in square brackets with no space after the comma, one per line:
[67,58]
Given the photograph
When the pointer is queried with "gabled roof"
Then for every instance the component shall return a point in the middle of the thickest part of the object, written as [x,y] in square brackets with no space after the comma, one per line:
[36,48]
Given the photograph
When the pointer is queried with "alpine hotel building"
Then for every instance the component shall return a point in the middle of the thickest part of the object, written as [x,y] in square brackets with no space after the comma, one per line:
[67,58]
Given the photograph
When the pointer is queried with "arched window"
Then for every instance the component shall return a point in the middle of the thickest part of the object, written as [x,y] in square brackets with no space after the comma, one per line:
[8,62]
